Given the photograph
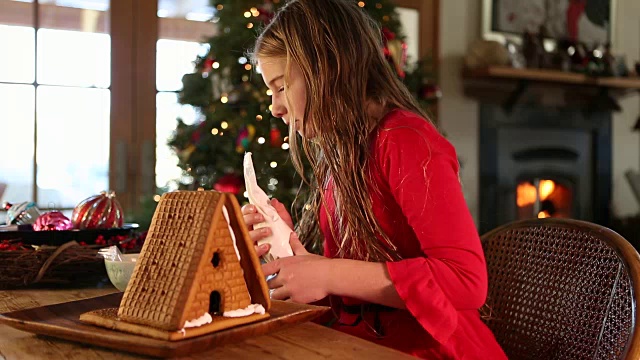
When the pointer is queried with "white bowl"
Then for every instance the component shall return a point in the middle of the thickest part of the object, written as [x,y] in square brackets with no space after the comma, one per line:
[120,272]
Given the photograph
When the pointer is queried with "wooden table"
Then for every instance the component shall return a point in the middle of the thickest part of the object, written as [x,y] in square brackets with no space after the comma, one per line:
[305,341]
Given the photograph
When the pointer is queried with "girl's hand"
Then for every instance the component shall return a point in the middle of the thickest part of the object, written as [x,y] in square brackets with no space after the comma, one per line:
[301,278]
[282,212]
[251,217]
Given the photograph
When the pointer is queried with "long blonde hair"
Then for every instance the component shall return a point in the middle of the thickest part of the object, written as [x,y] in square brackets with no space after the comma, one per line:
[339,50]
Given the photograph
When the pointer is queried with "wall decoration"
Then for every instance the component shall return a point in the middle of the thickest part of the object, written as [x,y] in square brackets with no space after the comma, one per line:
[588,21]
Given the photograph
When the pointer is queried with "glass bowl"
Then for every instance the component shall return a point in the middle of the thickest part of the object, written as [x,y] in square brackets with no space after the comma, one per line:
[120,272]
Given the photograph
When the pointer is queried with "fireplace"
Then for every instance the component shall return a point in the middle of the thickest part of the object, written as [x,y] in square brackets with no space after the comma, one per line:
[543,198]
[538,162]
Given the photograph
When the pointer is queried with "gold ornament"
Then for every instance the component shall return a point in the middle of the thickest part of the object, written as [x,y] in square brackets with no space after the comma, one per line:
[485,53]
[186,153]
[398,52]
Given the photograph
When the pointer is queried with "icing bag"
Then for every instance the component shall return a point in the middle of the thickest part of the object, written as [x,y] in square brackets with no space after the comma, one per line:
[279,239]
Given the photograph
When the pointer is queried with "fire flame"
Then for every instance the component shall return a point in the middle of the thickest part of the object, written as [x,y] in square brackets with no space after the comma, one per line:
[543,215]
[526,192]
[546,188]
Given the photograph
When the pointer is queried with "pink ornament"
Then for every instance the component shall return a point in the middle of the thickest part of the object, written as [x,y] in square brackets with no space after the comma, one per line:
[51,221]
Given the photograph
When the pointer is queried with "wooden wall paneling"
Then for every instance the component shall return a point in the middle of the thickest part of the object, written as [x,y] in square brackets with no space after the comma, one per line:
[146,38]
[59,17]
[185,30]
[121,176]
[52,16]
[134,34]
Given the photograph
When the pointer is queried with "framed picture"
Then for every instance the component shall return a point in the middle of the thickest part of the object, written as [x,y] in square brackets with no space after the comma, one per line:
[588,21]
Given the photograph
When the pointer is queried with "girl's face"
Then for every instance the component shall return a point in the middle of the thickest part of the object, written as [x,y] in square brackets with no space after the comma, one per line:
[273,73]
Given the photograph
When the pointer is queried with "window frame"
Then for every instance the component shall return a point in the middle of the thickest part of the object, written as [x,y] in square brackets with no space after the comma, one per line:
[428,32]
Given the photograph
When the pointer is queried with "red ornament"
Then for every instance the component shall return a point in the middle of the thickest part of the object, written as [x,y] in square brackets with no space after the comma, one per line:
[275,136]
[388,34]
[102,211]
[229,183]
[207,65]
[395,51]
[430,92]
[266,12]
[195,136]
[52,221]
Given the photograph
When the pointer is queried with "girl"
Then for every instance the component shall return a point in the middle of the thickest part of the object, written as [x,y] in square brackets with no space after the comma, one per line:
[403,263]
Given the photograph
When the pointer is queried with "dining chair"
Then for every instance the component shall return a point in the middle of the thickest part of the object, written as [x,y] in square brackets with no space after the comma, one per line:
[562,289]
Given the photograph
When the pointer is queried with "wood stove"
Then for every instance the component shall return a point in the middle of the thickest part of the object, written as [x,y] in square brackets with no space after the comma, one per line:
[543,162]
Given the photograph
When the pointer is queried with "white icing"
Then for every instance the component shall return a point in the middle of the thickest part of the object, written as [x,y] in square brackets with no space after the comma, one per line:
[202,320]
[280,231]
[251,309]
[233,236]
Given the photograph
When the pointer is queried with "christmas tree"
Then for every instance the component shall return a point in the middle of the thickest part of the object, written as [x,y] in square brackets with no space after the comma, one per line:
[236,104]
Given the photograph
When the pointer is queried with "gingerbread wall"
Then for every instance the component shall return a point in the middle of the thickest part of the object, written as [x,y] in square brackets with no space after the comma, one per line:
[227,277]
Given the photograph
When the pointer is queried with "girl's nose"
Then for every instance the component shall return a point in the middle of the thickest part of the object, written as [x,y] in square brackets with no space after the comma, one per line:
[278,110]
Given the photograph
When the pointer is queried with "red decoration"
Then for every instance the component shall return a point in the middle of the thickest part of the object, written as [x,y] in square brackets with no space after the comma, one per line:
[266,12]
[124,242]
[102,211]
[275,136]
[51,221]
[229,183]
[574,12]
[197,133]
[395,51]
[207,65]
[12,245]
[388,34]
[430,92]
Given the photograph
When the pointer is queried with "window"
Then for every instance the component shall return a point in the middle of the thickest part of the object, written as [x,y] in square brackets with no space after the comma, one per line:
[55,95]
[175,58]
[182,27]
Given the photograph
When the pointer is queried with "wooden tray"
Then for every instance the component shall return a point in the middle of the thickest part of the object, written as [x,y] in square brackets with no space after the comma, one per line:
[62,321]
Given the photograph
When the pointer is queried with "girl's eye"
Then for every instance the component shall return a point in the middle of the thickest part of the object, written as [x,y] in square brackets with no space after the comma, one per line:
[281,89]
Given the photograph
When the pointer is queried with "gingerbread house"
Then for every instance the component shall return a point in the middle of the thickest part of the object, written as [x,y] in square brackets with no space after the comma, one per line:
[197,272]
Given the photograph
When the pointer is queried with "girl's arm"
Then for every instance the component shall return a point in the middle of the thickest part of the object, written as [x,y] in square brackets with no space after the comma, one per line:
[368,281]
[307,278]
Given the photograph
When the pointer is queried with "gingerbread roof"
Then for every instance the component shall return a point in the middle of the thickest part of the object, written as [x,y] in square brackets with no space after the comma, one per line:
[175,264]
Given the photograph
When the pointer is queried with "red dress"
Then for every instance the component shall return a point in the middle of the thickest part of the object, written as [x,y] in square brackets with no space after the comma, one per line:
[442,277]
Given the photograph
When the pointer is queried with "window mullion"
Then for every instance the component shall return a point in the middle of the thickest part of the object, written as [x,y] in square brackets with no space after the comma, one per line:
[36,27]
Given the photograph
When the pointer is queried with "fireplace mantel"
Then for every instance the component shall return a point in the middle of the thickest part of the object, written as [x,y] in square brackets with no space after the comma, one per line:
[510,86]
